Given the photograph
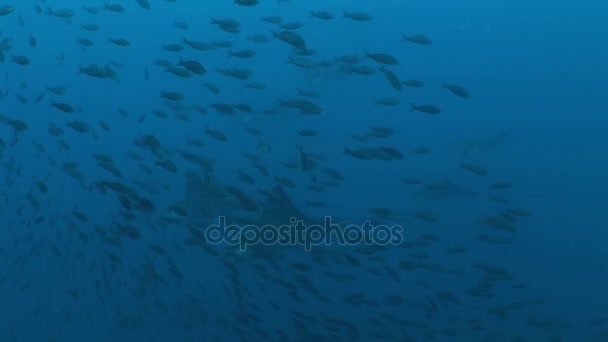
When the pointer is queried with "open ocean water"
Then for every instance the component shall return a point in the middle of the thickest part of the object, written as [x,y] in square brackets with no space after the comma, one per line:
[303,170]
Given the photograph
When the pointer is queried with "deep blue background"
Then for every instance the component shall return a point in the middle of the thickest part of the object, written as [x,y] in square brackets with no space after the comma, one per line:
[536,68]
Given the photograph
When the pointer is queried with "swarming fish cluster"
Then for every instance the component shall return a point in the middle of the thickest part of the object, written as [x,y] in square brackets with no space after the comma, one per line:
[116,157]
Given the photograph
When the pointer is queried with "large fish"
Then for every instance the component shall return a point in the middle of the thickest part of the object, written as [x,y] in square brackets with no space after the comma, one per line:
[207,203]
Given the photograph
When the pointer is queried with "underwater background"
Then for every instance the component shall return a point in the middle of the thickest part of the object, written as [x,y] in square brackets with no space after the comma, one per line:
[128,128]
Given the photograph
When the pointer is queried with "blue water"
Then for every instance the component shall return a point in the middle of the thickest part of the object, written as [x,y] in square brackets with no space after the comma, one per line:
[537,77]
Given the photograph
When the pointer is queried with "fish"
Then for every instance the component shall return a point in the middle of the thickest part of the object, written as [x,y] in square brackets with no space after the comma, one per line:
[417,39]
[357,16]
[246,2]
[6,10]
[290,38]
[456,89]
[206,201]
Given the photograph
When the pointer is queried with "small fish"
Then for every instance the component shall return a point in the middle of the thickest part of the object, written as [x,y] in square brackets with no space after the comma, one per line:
[64,107]
[426,108]
[6,9]
[167,165]
[480,170]
[357,16]
[456,90]
[215,134]
[417,39]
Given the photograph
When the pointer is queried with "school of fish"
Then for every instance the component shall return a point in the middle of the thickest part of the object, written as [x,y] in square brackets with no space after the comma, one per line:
[117,151]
